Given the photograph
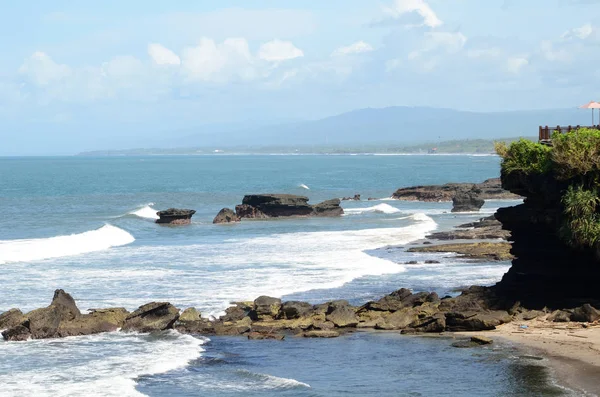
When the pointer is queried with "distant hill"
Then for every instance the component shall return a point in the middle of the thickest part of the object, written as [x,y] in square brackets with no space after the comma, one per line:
[394,125]
[377,127]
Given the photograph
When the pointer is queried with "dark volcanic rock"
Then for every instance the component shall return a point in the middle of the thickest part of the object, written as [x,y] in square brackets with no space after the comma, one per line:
[226,215]
[263,206]
[328,208]
[265,335]
[277,205]
[355,198]
[490,189]
[175,216]
[293,309]
[154,316]
[585,313]
[469,201]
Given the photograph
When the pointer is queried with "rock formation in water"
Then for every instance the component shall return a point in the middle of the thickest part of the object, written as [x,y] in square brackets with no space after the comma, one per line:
[226,215]
[469,201]
[264,206]
[175,216]
[490,189]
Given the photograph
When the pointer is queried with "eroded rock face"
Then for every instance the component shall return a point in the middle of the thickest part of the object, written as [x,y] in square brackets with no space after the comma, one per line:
[546,272]
[469,201]
[267,306]
[154,316]
[175,216]
[329,208]
[226,215]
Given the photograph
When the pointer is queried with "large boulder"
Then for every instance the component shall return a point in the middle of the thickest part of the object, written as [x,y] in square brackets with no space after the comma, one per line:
[293,309]
[175,216]
[11,318]
[342,314]
[401,299]
[586,313]
[469,201]
[267,306]
[154,316]
[226,215]
[476,321]
[328,208]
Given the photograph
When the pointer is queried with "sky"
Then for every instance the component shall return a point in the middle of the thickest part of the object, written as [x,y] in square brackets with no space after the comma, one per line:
[78,75]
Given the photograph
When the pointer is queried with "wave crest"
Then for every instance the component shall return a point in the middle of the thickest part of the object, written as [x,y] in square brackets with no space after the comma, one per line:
[146,212]
[55,247]
[382,208]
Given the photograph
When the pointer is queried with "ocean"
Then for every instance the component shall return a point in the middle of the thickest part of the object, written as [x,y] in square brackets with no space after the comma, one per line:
[86,225]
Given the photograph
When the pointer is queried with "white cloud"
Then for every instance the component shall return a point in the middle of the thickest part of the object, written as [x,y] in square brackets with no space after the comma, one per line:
[392,64]
[40,69]
[278,50]
[162,55]
[356,48]
[582,32]
[402,7]
[218,62]
[515,64]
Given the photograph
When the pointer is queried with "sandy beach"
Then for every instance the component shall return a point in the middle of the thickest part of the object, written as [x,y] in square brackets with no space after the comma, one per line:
[573,349]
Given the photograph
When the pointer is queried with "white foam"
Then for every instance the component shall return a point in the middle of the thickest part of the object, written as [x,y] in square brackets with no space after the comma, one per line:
[98,365]
[146,212]
[55,247]
[231,270]
[303,186]
[270,381]
[382,208]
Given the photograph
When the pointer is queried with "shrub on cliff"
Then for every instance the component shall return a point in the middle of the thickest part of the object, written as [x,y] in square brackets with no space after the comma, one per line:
[581,227]
[524,155]
[576,154]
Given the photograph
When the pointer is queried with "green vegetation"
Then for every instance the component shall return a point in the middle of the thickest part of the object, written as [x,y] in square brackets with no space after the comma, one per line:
[524,155]
[581,227]
[574,158]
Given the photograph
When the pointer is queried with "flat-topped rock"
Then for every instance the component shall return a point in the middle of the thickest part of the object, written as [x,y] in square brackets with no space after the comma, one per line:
[264,206]
[490,189]
[175,216]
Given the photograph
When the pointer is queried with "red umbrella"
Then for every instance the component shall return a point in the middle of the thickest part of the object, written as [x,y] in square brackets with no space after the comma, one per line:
[591,105]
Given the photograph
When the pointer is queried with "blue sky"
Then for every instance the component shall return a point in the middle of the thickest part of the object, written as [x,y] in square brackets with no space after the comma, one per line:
[87,74]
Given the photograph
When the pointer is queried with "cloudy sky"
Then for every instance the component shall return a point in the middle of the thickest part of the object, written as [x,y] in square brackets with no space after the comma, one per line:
[93,71]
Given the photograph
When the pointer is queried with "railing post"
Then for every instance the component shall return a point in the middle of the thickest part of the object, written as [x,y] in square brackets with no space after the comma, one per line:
[540,136]
[546,133]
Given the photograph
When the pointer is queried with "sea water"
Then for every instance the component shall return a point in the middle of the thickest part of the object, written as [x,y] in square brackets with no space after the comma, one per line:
[87,225]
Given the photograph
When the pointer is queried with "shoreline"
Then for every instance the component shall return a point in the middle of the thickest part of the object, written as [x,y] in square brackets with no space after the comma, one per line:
[572,350]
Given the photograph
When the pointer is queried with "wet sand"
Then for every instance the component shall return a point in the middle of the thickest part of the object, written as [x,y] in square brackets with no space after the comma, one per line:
[573,349]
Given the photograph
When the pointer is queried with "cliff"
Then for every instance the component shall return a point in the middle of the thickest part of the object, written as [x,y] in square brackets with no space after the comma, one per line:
[554,237]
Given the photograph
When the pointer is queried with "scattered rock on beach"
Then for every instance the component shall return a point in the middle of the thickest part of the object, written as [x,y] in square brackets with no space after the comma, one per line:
[175,216]
[226,215]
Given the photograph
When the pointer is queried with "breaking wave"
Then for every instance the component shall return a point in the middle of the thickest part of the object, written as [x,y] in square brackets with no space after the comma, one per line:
[55,247]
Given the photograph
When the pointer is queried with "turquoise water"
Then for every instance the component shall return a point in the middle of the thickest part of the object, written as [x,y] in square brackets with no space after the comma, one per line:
[86,225]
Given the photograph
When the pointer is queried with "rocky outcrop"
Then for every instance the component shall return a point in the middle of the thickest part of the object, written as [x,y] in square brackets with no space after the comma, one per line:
[481,251]
[264,206]
[226,215]
[469,201]
[355,198]
[175,216]
[11,318]
[484,229]
[62,318]
[546,272]
[490,189]
[476,309]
